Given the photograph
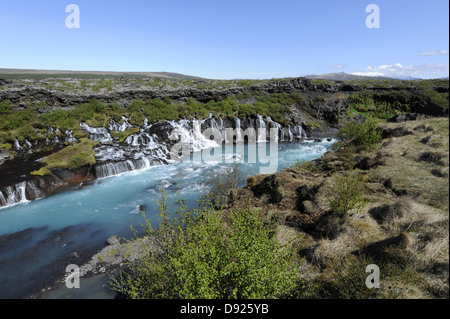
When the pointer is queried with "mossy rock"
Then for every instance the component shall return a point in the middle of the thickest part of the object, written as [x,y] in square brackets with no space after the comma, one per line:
[72,157]
[41,172]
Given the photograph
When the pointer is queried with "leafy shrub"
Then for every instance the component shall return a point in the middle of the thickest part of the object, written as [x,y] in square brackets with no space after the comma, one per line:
[5,107]
[222,184]
[346,192]
[197,255]
[364,136]
[13,120]
[28,132]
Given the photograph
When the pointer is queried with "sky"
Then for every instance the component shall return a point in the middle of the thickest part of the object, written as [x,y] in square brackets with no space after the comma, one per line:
[229,39]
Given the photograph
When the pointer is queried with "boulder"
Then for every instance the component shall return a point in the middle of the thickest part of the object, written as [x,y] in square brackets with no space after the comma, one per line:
[402,117]
[113,240]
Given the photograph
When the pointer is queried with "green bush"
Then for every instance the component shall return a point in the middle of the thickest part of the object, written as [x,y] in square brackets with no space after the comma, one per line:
[346,192]
[198,255]
[5,107]
[13,120]
[364,136]
[28,132]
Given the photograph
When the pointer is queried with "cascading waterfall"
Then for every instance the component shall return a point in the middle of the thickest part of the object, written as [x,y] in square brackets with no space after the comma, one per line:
[14,194]
[238,130]
[279,133]
[261,127]
[219,127]
[69,136]
[149,147]
[3,200]
[100,134]
[299,132]
[17,145]
[291,135]
[117,127]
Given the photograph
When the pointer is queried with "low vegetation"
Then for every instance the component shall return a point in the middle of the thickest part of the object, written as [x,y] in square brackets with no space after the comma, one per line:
[71,157]
[203,254]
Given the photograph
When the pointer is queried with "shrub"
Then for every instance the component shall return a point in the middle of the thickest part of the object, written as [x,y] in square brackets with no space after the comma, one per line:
[27,132]
[221,184]
[5,107]
[197,255]
[364,136]
[346,192]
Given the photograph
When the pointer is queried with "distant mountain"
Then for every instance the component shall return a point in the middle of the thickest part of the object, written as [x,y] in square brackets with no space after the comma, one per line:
[342,76]
[12,73]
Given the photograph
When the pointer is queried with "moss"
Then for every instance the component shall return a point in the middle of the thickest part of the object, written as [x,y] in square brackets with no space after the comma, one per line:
[41,172]
[6,146]
[72,157]
[121,136]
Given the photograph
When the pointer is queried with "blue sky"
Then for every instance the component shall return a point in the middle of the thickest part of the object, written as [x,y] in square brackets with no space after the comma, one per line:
[229,39]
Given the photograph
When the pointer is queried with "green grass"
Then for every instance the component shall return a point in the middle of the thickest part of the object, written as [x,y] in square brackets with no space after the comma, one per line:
[121,136]
[71,157]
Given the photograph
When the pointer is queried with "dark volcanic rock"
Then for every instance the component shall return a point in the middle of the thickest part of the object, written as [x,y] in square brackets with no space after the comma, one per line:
[402,117]
[270,186]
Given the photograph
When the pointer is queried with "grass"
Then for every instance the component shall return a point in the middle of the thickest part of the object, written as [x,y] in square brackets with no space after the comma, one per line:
[401,225]
[122,136]
[71,157]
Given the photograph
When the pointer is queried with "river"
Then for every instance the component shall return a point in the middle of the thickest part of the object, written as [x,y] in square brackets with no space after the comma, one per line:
[39,238]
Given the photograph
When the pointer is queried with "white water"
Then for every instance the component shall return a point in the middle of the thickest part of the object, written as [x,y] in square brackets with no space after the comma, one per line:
[261,129]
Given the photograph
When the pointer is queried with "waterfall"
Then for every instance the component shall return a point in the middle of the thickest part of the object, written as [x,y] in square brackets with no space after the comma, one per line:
[222,129]
[219,127]
[117,127]
[238,130]
[291,136]
[100,134]
[69,136]
[150,146]
[14,194]
[199,140]
[261,127]
[110,169]
[21,189]
[3,200]
[17,145]
[131,165]
[116,168]
[279,135]
[299,132]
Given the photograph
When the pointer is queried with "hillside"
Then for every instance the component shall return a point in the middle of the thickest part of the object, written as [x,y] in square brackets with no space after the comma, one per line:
[400,221]
[14,74]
